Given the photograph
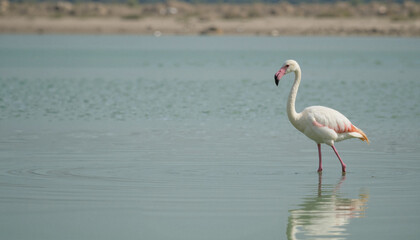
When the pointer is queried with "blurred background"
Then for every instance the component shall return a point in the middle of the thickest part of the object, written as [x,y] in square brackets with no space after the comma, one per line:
[246,17]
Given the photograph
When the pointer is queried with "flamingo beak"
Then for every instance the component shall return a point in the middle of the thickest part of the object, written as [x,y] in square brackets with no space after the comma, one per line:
[280,74]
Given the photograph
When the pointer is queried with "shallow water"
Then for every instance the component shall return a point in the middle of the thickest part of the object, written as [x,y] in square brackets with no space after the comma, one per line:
[106,137]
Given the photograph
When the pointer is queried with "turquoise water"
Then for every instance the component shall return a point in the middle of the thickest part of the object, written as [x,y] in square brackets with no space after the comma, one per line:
[127,137]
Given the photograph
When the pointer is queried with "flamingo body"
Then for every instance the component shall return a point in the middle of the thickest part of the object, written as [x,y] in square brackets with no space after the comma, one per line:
[326,125]
[321,124]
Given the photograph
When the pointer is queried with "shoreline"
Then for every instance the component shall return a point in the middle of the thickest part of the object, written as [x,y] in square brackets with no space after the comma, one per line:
[180,18]
[158,26]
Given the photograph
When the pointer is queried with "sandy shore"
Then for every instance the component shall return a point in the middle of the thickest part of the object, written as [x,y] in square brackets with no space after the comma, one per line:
[273,26]
[180,18]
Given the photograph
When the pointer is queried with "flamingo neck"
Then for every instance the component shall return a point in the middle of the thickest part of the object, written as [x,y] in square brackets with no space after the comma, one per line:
[291,110]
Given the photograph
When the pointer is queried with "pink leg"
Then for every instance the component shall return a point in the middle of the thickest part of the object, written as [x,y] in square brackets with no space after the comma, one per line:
[343,166]
[320,158]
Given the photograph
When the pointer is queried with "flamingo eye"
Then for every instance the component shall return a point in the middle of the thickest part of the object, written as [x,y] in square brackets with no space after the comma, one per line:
[287,65]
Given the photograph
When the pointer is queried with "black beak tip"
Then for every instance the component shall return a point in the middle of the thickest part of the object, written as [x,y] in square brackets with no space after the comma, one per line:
[276,80]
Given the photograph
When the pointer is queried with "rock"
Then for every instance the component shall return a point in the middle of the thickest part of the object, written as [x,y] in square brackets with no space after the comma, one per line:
[212,30]
[63,7]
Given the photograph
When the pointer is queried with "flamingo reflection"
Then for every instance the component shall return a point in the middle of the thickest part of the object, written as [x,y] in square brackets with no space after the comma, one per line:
[325,214]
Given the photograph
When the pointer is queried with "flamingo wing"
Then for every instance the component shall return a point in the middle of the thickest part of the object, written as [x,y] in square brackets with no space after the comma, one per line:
[330,125]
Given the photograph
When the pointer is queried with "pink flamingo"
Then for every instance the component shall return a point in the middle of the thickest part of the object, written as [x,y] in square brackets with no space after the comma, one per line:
[321,124]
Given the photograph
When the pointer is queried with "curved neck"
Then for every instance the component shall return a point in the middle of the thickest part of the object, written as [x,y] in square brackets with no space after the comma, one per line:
[291,110]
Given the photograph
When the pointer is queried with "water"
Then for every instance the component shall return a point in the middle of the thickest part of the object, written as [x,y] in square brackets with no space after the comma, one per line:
[126,137]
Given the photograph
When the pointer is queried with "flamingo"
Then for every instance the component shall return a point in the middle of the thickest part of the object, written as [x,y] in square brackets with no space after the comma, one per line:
[321,124]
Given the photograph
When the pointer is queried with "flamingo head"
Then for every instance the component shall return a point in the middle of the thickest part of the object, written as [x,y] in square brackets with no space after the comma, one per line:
[288,67]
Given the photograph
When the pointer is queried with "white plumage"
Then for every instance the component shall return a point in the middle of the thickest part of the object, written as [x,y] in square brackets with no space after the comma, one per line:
[321,124]
[326,125]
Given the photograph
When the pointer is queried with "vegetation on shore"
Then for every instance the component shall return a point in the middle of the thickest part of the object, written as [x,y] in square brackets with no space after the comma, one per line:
[133,10]
[183,18]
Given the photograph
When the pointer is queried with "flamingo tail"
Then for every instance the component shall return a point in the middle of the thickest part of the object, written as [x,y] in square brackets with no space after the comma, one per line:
[363,137]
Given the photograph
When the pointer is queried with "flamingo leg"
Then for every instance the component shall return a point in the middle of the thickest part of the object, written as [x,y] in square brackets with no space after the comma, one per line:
[343,166]
[320,158]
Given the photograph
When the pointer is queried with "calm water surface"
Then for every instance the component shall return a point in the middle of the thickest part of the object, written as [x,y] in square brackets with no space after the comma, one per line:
[126,137]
